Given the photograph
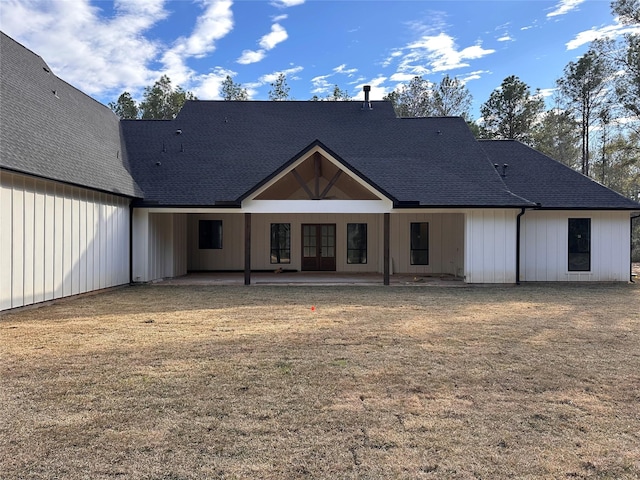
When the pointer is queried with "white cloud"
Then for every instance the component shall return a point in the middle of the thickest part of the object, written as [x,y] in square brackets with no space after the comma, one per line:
[437,54]
[321,84]
[344,70]
[564,6]
[207,87]
[547,92]
[104,55]
[401,77]
[505,38]
[610,31]
[286,3]
[389,60]
[475,75]
[251,56]
[97,54]
[215,23]
[273,38]
[272,77]
[277,35]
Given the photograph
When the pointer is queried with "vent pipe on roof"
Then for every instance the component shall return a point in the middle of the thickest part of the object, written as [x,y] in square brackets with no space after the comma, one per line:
[367,104]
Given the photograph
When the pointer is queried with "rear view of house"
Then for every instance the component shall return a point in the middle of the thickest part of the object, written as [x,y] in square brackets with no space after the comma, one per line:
[89,201]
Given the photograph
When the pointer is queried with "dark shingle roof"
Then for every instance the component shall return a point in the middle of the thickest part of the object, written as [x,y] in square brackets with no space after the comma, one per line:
[543,180]
[226,149]
[54,131]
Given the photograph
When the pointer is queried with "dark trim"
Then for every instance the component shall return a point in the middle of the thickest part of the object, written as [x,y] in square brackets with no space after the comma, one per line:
[416,204]
[396,205]
[130,243]
[220,206]
[413,206]
[522,212]
[387,237]
[631,246]
[574,243]
[582,209]
[247,249]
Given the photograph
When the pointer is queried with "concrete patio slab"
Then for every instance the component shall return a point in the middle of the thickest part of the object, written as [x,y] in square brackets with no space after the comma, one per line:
[310,278]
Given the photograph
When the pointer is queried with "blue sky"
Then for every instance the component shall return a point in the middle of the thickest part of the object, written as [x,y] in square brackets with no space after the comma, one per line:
[105,47]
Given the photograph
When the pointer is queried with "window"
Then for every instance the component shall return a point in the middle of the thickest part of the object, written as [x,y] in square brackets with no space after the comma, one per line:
[210,234]
[579,244]
[420,243]
[280,243]
[356,243]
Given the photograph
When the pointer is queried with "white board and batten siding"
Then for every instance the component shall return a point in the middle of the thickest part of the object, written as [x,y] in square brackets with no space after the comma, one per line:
[544,246]
[165,244]
[58,240]
[159,245]
[490,246]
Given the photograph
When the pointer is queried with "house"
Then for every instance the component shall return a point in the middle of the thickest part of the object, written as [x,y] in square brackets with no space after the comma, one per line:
[88,201]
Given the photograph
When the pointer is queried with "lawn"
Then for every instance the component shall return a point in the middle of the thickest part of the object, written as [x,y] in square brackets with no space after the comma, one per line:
[352,382]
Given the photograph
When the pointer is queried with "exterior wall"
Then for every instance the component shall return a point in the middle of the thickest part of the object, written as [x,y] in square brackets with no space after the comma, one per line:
[57,240]
[446,243]
[160,245]
[230,256]
[446,249]
[544,247]
[261,248]
[167,245]
[490,246]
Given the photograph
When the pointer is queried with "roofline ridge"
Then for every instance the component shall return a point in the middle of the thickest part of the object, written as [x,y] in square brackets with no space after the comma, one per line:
[29,50]
[51,72]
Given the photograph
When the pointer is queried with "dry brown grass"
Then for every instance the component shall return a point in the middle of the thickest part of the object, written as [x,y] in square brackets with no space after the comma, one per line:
[166,382]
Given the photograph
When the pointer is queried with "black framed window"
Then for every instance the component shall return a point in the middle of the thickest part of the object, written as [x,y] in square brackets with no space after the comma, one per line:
[419,243]
[280,243]
[579,244]
[210,234]
[356,243]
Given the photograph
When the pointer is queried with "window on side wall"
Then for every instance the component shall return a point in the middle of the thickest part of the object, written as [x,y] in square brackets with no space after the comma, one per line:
[419,243]
[280,243]
[210,234]
[356,243]
[579,244]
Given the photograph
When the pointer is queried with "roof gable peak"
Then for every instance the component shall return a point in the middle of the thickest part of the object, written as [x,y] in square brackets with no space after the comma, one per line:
[316,173]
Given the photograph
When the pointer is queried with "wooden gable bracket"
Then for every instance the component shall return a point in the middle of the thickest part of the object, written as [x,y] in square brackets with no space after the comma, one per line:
[331,184]
[317,165]
[318,169]
[302,184]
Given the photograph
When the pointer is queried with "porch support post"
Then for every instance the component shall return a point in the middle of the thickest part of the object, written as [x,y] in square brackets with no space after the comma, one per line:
[387,236]
[247,249]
